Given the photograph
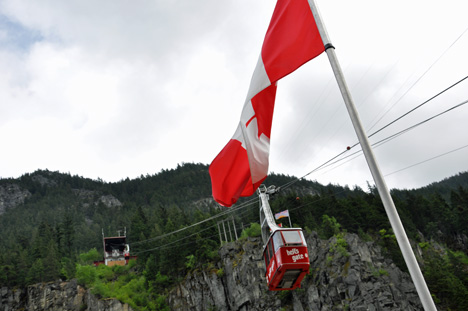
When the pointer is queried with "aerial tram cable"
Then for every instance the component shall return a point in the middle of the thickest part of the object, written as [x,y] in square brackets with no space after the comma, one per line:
[427,160]
[378,84]
[420,105]
[212,226]
[315,107]
[448,48]
[418,124]
[413,126]
[171,244]
[376,144]
[393,136]
[366,98]
[412,110]
[408,167]
[397,171]
[312,112]
[379,130]
[226,212]
[387,139]
[288,184]
[443,53]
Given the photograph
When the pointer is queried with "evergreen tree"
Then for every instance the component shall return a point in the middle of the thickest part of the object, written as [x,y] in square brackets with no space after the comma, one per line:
[36,272]
[68,231]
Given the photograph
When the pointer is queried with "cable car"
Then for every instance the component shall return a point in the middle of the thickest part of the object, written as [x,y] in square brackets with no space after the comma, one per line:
[286,259]
[116,250]
[285,249]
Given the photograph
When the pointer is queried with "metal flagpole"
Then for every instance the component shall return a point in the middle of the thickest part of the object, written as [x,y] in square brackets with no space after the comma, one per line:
[395,222]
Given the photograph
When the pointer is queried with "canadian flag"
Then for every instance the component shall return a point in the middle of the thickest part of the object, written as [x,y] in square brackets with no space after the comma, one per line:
[292,39]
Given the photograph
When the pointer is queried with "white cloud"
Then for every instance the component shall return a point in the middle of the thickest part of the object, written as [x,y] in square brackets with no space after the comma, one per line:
[114,89]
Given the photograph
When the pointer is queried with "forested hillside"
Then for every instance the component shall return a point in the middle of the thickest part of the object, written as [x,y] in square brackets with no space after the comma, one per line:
[51,225]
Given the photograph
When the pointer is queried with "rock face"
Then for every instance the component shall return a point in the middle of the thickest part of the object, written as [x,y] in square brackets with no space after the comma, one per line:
[62,296]
[110,201]
[44,181]
[353,277]
[356,278]
[11,195]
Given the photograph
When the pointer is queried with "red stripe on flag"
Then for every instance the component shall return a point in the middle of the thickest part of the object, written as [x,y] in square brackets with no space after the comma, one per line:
[235,180]
[292,39]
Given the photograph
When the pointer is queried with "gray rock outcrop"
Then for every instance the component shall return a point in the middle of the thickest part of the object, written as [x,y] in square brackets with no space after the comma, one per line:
[11,195]
[345,274]
[356,278]
[57,296]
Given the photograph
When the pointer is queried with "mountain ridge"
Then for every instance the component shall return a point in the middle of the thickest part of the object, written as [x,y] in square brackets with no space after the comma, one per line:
[48,219]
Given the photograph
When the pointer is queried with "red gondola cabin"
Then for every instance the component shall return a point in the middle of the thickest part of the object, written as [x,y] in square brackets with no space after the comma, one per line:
[286,259]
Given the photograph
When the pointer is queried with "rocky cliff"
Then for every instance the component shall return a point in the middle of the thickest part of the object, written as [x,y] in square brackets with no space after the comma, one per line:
[351,276]
[11,195]
[346,273]
[59,296]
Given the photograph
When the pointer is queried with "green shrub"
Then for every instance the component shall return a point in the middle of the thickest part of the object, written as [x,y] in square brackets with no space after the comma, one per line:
[104,272]
[122,283]
[330,226]
[85,275]
[191,261]
[102,289]
[253,231]
[340,245]
[424,245]
[91,256]
[68,268]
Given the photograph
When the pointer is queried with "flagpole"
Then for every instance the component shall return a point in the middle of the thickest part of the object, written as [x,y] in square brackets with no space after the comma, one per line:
[395,222]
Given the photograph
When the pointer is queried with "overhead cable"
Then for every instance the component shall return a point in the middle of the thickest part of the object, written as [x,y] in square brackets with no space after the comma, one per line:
[376,144]
[393,136]
[170,233]
[427,160]
[446,50]
[170,245]
[418,124]
[420,105]
[228,211]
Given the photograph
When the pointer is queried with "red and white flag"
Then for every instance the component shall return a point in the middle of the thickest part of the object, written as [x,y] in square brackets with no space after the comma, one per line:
[292,39]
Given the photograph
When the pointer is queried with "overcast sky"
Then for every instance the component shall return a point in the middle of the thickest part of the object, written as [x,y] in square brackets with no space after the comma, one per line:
[114,89]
